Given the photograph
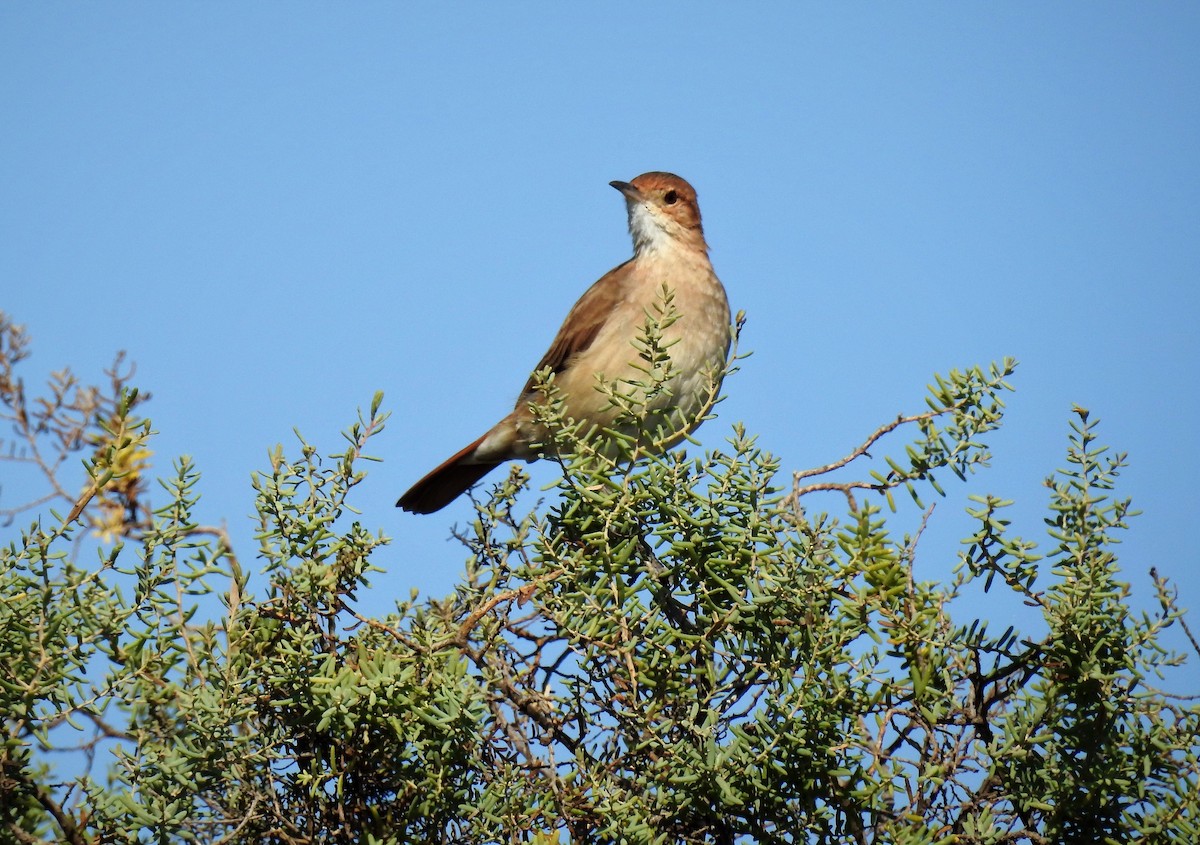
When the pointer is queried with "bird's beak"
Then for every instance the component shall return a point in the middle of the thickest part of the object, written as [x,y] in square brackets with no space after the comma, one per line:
[628,190]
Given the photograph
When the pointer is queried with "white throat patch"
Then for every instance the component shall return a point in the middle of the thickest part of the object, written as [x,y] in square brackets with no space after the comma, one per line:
[647,229]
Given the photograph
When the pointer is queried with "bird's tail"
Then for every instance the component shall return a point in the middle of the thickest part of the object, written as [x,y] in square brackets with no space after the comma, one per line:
[450,480]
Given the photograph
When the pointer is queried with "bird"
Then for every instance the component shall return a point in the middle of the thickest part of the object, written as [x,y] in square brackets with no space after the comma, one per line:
[598,341]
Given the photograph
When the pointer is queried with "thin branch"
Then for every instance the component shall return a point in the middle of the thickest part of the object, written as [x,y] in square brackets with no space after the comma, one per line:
[521,593]
[66,822]
[865,447]
[22,836]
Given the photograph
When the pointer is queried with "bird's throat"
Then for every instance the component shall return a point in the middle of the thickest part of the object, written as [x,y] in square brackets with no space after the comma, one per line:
[655,235]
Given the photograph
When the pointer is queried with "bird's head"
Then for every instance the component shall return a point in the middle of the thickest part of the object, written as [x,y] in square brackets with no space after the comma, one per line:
[663,213]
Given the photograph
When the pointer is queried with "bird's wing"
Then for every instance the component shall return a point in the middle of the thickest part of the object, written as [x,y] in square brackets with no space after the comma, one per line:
[583,322]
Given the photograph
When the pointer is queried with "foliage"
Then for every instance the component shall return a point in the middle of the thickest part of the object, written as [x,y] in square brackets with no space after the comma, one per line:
[676,650]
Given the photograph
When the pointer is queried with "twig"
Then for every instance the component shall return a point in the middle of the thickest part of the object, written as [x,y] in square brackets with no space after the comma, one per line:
[865,447]
[523,592]
[1191,637]
[82,502]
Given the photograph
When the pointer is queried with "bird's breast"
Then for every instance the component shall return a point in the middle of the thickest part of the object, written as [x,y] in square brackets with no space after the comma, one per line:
[688,301]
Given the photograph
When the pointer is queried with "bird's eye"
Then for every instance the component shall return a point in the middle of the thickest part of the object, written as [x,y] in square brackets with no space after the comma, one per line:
[670,197]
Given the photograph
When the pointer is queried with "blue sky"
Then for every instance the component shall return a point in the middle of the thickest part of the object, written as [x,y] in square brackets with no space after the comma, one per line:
[279,209]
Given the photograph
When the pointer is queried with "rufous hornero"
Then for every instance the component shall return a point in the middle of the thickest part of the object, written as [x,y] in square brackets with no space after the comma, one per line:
[600,337]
